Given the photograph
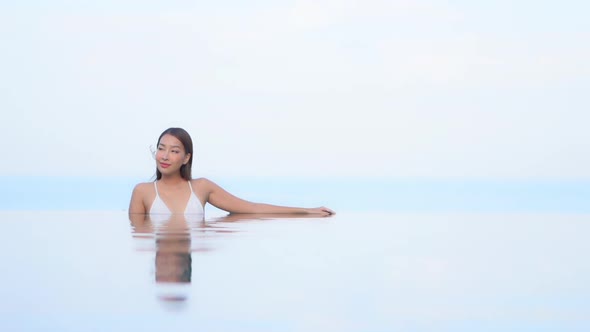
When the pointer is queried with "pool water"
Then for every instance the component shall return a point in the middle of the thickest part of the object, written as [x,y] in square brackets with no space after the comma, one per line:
[355,271]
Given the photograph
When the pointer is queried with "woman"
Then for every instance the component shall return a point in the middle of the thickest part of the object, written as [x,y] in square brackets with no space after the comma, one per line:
[175,192]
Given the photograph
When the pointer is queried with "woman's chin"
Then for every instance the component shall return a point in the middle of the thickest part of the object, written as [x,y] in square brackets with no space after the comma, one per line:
[166,171]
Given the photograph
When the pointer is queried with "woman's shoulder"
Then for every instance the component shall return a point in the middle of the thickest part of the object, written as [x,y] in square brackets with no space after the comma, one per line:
[143,187]
[201,182]
[204,184]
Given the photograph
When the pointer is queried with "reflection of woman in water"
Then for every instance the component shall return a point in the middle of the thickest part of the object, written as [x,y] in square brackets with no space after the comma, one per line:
[173,250]
[173,258]
[175,192]
[174,246]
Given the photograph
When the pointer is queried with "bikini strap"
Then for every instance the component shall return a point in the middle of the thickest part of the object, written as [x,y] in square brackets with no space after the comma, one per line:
[190,186]
[156,186]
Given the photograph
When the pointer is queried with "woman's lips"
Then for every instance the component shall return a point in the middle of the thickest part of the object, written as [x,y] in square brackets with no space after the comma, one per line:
[164,165]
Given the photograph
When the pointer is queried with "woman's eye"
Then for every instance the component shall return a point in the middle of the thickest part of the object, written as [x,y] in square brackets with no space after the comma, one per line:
[175,151]
[160,148]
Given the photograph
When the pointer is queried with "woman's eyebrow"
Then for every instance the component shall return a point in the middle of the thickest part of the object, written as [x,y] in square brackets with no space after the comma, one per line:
[172,146]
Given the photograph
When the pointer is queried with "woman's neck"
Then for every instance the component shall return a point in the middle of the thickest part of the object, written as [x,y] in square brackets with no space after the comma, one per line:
[171,179]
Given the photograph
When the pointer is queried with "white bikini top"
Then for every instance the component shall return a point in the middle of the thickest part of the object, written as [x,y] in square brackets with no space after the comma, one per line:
[193,206]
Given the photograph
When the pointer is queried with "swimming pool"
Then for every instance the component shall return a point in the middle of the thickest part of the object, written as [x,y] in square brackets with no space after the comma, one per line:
[355,271]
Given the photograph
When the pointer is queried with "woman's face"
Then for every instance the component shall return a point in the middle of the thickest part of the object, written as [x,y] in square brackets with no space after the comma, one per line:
[170,155]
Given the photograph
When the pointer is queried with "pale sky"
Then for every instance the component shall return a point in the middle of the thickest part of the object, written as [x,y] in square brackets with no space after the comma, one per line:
[298,88]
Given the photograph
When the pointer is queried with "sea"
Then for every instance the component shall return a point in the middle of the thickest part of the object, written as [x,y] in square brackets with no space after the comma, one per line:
[398,255]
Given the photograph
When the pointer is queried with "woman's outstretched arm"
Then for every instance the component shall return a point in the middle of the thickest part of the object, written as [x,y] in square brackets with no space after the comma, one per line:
[222,199]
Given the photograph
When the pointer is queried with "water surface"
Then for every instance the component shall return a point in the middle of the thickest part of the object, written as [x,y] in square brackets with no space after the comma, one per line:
[356,271]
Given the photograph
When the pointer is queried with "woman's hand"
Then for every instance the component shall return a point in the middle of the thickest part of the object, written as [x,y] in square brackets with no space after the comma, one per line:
[322,210]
